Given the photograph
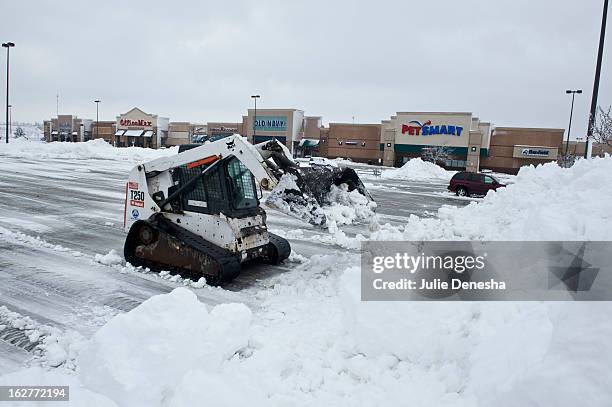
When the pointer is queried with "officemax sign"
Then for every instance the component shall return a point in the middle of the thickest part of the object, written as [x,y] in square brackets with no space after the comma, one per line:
[416,128]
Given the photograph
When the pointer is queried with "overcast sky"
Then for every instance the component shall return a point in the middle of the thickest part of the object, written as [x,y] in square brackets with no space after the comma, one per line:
[508,61]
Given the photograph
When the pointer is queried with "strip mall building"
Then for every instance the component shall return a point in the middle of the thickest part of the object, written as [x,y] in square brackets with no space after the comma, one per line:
[460,140]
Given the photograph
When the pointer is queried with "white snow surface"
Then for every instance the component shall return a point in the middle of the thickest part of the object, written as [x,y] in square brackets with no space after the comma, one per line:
[161,342]
[418,170]
[93,149]
[312,341]
[544,203]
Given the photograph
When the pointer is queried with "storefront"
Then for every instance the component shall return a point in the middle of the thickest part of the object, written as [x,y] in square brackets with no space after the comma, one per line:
[66,127]
[140,129]
[284,125]
[514,147]
[357,142]
[453,140]
[219,130]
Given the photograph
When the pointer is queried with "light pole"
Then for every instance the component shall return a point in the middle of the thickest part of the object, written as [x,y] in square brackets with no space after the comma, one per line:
[10,122]
[8,46]
[97,102]
[569,129]
[602,37]
[255,97]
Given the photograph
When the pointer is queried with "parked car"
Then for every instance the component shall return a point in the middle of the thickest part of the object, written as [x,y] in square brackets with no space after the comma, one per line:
[470,183]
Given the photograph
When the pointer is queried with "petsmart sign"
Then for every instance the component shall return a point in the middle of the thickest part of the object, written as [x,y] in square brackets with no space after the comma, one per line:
[416,128]
[271,123]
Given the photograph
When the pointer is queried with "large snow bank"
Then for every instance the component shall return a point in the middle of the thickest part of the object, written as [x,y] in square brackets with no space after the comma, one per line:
[96,149]
[418,170]
[315,343]
[485,354]
[545,203]
[140,358]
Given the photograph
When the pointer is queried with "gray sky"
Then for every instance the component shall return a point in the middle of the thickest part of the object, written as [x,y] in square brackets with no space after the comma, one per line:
[508,61]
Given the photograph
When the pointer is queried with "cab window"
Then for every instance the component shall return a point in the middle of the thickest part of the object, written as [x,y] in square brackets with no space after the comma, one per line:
[242,185]
[206,195]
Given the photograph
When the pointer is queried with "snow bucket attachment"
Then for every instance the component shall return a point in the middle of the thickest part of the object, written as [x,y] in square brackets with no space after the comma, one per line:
[303,191]
[316,181]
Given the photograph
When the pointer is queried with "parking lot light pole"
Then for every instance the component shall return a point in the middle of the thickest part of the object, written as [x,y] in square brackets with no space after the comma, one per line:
[8,46]
[255,97]
[97,102]
[10,119]
[602,37]
[569,129]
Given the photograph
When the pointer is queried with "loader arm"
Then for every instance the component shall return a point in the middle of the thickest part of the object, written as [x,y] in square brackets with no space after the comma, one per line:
[234,145]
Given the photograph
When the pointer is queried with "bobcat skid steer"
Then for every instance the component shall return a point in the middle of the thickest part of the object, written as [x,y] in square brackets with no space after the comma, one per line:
[302,189]
[197,213]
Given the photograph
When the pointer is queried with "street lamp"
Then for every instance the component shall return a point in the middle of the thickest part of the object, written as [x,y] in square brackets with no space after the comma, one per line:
[8,46]
[569,129]
[255,97]
[97,102]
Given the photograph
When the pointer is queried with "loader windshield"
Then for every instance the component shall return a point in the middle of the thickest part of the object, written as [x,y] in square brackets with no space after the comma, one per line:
[242,185]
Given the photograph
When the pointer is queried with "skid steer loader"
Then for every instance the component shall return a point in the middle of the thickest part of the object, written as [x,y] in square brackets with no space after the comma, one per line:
[198,213]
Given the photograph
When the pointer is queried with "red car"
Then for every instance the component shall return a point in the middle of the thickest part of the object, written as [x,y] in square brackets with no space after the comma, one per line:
[470,183]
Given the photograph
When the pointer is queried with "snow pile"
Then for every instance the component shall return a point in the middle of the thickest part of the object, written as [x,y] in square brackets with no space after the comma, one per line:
[141,357]
[346,207]
[93,149]
[545,203]
[483,354]
[418,170]
[315,343]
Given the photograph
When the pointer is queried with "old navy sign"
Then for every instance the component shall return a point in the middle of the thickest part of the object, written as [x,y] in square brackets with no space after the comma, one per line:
[415,128]
[271,123]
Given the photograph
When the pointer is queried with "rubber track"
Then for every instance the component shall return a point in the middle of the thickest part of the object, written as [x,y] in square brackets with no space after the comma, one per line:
[283,249]
[228,262]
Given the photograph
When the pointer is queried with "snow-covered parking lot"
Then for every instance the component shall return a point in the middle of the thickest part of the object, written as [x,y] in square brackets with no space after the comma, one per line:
[71,311]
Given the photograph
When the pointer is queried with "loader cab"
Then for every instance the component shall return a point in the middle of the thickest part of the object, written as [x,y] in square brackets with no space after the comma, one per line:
[227,187]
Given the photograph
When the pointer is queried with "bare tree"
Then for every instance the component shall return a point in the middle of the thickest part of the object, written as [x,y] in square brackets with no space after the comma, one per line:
[602,128]
[19,133]
[437,155]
